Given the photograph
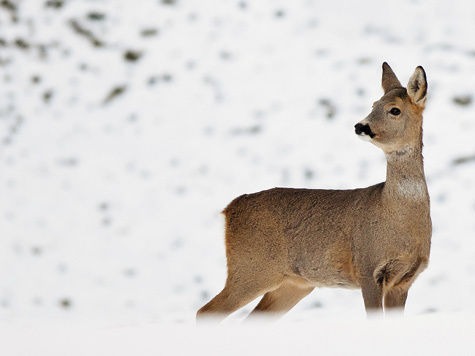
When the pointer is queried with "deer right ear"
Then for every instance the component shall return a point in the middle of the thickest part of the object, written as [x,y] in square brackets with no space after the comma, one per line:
[390,80]
[417,86]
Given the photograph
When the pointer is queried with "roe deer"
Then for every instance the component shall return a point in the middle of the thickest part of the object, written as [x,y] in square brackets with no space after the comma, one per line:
[284,242]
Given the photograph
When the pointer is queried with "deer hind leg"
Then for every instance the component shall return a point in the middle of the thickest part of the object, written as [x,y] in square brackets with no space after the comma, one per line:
[280,301]
[237,293]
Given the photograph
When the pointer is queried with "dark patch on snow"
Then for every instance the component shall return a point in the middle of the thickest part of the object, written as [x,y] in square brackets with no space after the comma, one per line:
[36,79]
[164,78]
[12,8]
[243,5]
[114,93]
[68,162]
[149,32]
[96,16]
[317,305]
[279,13]
[84,32]
[329,107]
[130,272]
[205,295]
[22,44]
[226,56]
[65,303]
[54,4]
[463,100]
[463,160]
[36,251]
[47,96]
[132,56]
[252,130]
[309,174]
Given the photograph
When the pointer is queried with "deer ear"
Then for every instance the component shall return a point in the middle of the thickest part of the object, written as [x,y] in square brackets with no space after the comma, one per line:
[390,80]
[417,86]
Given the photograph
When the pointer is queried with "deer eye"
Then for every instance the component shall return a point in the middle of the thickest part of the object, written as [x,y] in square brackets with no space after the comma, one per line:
[395,111]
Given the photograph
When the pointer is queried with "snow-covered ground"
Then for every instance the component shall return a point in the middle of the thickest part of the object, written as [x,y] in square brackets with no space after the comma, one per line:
[127,126]
[335,336]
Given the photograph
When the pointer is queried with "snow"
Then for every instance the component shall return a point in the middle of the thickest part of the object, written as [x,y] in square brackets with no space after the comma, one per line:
[415,336]
[121,143]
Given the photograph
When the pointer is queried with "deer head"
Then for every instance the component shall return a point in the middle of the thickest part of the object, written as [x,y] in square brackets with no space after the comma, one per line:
[395,123]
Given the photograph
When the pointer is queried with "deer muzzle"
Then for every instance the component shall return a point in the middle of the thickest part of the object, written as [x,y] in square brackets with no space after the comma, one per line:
[364,131]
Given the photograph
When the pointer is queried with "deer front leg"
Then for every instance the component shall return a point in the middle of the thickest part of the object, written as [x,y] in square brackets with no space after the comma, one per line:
[372,295]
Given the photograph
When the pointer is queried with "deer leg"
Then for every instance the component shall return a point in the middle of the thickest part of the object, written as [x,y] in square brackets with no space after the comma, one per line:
[372,295]
[395,299]
[226,302]
[234,296]
[280,301]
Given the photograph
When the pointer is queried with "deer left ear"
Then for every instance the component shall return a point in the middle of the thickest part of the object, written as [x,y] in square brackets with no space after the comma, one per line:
[417,86]
[389,81]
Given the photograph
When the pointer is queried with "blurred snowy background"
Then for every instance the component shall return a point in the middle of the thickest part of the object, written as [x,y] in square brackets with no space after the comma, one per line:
[127,126]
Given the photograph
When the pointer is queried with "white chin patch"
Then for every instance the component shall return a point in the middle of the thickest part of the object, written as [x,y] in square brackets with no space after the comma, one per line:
[365,137]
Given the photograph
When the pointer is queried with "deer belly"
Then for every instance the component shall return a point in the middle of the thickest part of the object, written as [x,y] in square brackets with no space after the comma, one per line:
[328,271]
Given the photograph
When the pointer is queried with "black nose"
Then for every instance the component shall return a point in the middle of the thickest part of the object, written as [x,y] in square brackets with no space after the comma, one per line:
[364,129]
[359,129]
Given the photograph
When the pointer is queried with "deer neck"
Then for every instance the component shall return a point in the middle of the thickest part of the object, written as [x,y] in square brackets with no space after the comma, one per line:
[405,177]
